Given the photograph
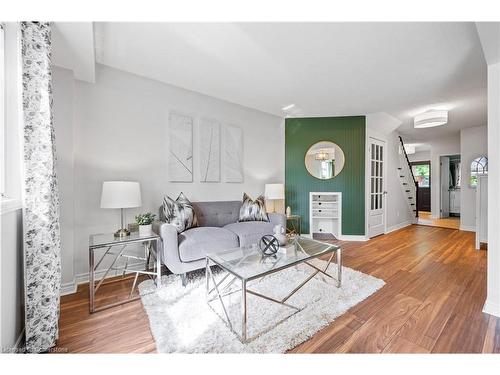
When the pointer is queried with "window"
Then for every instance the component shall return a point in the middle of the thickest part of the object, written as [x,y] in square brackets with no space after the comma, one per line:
[422,173]
[478,167]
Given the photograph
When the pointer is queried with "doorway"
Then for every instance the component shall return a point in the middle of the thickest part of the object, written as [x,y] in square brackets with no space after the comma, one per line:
[422,172]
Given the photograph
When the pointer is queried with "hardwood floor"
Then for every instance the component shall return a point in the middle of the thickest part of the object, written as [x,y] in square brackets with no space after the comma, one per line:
[449,222]
[431,303]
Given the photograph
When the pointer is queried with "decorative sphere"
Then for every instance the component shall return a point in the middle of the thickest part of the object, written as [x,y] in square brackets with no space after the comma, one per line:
[268,245]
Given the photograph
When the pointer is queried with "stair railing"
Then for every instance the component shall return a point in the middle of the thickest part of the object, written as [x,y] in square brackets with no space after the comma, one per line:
[412,175]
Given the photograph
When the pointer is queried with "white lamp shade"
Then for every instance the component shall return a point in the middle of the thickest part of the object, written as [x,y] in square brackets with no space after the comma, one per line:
[274,191]
[120,194]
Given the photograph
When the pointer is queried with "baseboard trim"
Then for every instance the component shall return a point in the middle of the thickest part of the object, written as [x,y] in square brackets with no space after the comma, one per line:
[399,226]
[351,237]
[491,308]
[68,288]
[83,278]
[468,228]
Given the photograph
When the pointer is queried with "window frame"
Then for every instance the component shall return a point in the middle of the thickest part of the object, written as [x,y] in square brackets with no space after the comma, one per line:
[476,172]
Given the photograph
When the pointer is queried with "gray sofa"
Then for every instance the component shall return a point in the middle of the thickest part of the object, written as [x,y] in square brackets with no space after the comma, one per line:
[218,230]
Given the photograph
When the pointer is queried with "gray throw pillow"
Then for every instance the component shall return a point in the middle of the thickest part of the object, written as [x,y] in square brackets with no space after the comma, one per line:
[253,210]
[180,213]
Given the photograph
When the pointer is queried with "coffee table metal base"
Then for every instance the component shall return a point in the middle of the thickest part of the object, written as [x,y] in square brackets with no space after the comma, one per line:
[214,292]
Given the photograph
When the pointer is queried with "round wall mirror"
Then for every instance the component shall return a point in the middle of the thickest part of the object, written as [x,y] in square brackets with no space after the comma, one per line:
[324,160]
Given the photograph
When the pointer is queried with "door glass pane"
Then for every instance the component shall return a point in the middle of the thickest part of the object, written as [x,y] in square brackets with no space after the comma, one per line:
[422,174]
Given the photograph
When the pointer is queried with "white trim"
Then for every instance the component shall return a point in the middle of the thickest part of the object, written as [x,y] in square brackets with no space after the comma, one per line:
[351,237]
[491,308]
[10,205]
[468,228]
[83,278]
[396,227]
[68,288]
[370,134]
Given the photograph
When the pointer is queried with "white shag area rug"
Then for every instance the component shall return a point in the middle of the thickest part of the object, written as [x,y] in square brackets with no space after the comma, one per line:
[182,322]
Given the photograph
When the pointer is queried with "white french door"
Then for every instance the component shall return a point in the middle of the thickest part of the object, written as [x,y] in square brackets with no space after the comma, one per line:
[376,216]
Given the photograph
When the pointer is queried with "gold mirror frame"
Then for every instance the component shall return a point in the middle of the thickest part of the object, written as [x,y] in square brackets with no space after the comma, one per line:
[323,153]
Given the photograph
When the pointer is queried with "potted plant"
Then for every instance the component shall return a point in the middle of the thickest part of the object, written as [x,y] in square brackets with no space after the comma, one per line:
[145,223]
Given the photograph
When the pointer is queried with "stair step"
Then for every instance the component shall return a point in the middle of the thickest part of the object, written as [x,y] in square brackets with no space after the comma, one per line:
[404,183]
[410,197]
[407,191]
[402,176]
[400,168]
[412,204]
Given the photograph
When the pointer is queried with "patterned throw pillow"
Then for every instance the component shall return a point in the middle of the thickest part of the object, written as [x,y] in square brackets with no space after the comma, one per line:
[253,210]
[180,213]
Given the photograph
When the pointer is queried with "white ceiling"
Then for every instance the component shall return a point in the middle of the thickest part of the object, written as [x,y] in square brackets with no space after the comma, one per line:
[325,69]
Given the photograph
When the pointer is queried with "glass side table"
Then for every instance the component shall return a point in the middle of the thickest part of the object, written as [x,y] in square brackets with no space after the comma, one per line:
[293,225]
[107,246]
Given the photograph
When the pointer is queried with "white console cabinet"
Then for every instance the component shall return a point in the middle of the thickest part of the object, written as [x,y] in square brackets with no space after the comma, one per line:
[325,215]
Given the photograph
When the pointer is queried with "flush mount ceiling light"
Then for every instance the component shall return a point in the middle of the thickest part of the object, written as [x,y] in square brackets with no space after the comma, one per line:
[322,155]
[430,119]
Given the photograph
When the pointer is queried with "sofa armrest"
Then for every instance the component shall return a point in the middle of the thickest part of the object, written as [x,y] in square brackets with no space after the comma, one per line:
[169,243]
[277,219]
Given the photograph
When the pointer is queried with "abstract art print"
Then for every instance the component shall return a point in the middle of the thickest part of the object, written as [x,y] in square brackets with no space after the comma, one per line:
[209,151]
[180,135]
[233,154]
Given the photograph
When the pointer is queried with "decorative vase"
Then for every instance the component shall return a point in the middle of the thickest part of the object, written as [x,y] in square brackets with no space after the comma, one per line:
[279,234]
[288,211]
[145,230]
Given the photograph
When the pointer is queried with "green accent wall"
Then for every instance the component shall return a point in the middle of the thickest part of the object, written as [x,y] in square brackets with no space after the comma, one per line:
[350,134]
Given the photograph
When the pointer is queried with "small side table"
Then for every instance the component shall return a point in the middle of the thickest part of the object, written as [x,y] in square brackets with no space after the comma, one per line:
[108,242]
[296,225]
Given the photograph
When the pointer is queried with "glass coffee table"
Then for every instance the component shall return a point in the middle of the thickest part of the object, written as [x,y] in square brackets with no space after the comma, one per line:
[247,264]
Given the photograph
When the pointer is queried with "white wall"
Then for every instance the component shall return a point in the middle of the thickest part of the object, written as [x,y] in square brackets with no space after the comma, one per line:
[473,143]
[63,94]
[120,132]
[420,156]
[398,212]
[492,305]
[441,147]
[381,126]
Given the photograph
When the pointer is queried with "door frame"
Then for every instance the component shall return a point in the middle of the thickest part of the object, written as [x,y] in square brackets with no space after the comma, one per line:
[428,162]
[370,134]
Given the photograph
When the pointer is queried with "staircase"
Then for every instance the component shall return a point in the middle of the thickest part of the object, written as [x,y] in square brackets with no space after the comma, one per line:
[407,179]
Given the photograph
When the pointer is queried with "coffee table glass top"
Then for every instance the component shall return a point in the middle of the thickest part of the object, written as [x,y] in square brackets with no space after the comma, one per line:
[249,263]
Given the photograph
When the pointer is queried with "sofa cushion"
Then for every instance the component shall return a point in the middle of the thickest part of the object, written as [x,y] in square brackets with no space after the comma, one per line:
[195,243]
[250,232]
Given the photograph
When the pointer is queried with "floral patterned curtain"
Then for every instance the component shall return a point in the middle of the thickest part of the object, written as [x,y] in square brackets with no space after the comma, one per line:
[41,200]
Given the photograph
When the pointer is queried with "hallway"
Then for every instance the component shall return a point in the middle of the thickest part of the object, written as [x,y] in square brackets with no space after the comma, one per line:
[424,218]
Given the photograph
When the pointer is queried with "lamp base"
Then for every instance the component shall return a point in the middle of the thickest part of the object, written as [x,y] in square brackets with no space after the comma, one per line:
[122,233]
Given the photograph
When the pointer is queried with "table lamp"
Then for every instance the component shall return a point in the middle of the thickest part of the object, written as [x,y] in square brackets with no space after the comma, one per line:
[274,192]
[121,194]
